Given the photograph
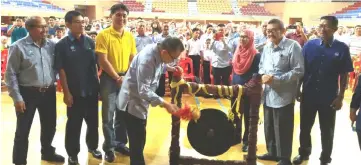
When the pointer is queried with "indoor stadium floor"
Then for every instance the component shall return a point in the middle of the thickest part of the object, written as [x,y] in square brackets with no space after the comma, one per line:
[345,152]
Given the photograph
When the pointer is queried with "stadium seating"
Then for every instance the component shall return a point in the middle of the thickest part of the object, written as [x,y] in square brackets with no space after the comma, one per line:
[214,7]
[228,13]
[135,5]
[170,6]
[254,9]
[352,11]
[31,4]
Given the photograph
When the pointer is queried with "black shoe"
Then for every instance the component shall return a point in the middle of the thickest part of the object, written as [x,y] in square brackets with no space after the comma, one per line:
[96,154]
[268,157]
[73,160]
[325,162]
[245,147]
[322,163]
[284,162]
[109,156]
[299,159]
[123,150]
[53,158]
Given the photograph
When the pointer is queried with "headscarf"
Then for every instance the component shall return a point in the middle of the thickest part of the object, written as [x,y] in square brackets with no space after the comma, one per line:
[244,55]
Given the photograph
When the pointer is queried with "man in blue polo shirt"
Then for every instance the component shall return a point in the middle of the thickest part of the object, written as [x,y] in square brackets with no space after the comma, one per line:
[76,61]
[18,30]
[327,63]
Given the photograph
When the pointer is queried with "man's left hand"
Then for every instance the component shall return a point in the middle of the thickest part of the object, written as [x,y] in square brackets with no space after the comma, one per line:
[337,103]
[267,79]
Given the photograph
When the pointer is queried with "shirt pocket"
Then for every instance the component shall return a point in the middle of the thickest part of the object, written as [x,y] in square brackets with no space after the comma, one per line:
[30,59]
[282,61]
[91,53]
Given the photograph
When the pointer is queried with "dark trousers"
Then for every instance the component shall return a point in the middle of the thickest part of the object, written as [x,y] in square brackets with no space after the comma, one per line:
[196,64]
[170,76]
[278,123]
[83,108]
[45,102]
[161,87]
[137,134]
[206,72]
[246,107]
[221,75]
[327,118]
[359,138]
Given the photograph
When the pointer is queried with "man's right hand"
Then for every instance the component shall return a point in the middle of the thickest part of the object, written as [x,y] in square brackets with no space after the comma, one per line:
[68,99]
[20,106]
[171,108]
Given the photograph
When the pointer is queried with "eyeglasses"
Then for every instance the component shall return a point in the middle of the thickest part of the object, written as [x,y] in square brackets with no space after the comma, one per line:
[272,30]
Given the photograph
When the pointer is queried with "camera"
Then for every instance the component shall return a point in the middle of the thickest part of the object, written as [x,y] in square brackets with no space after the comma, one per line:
[292,27]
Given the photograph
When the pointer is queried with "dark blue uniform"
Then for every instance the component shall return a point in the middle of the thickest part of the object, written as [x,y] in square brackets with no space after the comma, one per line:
[323,65]
[77,58]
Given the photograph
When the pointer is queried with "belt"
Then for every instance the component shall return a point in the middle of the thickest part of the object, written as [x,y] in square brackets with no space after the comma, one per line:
[120,74]
[39,89]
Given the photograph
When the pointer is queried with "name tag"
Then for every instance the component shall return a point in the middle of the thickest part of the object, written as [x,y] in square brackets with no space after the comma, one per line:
[72,48]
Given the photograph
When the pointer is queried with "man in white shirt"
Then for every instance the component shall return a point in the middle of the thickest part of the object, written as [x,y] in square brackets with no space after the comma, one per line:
[208,34]
[355,42]
[221,63]
[59,34]
[195,51]
[341,36]
[208,55]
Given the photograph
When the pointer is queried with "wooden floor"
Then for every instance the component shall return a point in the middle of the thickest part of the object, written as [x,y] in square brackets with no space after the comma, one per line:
[345,152]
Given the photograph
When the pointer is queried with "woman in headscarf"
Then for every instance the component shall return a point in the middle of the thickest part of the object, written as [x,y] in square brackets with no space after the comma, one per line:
[245,64]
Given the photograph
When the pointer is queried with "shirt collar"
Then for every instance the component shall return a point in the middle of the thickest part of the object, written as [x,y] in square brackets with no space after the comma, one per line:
[329,44]
[281,44]
[164,36]
[72,38]
[141,35]
[114,32]
[30,41]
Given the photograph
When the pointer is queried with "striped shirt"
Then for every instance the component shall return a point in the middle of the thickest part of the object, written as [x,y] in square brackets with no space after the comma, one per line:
[355,45]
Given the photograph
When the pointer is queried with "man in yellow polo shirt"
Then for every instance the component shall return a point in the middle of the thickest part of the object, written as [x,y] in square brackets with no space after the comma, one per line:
[115,48]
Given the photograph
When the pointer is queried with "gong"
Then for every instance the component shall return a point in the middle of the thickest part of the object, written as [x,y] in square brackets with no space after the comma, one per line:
[212,134]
